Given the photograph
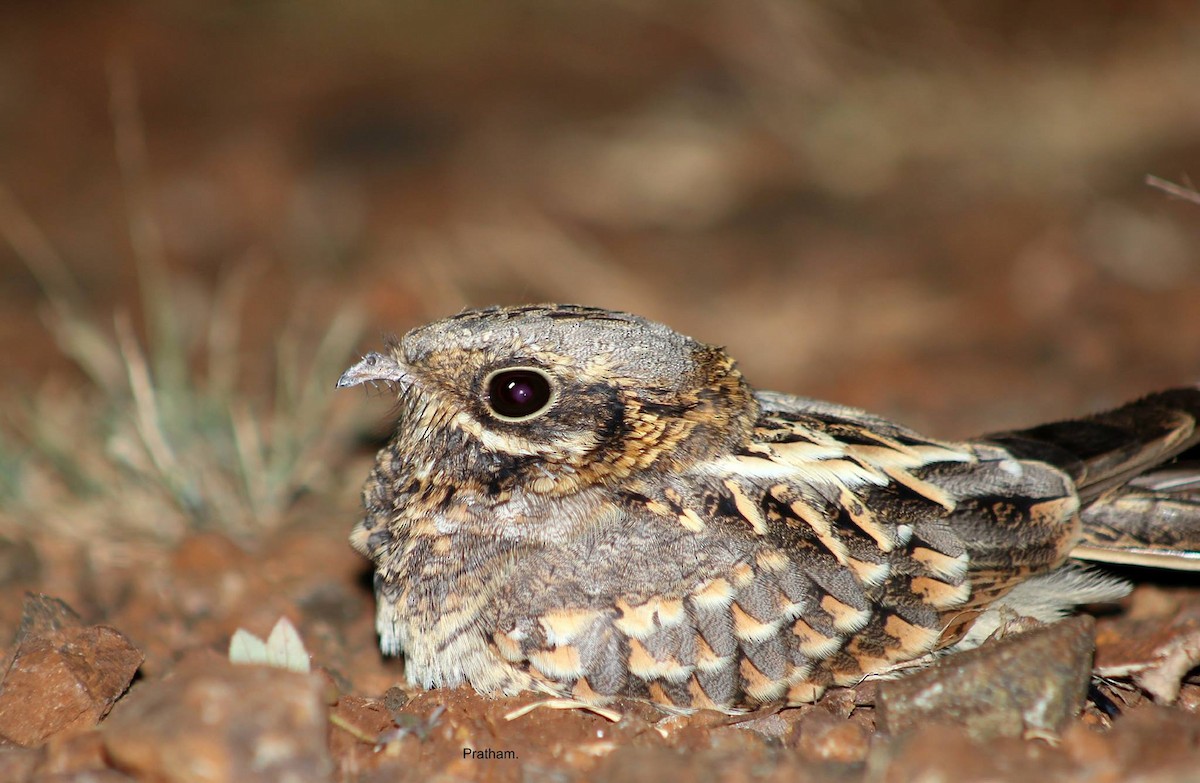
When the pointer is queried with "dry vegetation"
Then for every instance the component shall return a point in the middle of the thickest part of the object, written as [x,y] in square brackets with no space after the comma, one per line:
[938,211]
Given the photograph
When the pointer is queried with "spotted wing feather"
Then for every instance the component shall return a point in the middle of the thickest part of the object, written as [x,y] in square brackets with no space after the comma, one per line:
[758,586]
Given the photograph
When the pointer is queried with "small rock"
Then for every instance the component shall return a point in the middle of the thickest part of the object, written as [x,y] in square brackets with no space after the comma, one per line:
[942,752]
[1030,684]
[1158,741]
[62,676]
[771,725]
[1189,699]
[395,698]
[212,721]
[78,754]
[738,758]
[18,765]
[1093,753]
[645,765]
[42,615]
[843,701]
[825,737]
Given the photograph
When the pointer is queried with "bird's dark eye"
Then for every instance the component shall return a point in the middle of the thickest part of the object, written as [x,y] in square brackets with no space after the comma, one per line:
[519,393]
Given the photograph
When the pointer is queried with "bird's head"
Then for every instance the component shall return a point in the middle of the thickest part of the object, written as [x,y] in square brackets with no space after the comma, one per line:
[549,399]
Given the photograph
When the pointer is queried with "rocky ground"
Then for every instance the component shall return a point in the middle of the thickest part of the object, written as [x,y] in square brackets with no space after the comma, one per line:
[938,213]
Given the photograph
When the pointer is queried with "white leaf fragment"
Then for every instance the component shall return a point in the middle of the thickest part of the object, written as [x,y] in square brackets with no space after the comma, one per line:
[283,649]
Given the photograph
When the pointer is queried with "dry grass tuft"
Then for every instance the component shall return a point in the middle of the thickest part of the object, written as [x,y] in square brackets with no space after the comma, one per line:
[167,434]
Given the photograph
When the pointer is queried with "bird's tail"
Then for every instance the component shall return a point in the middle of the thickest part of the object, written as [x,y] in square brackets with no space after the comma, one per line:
[1137,470]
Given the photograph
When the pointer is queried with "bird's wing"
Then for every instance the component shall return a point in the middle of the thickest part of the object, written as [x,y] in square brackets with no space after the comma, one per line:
[958,525]
[1138,472]
[831,547]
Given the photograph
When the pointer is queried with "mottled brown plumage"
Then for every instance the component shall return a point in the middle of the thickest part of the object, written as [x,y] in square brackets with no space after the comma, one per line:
[590,504]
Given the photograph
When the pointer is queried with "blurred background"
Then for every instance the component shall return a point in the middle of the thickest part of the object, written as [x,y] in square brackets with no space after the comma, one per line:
[935,210]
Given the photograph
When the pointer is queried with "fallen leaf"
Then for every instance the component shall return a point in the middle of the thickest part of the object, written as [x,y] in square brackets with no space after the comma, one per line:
[283,648]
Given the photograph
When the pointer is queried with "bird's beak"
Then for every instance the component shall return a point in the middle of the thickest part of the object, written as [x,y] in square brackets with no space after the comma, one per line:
[373,367]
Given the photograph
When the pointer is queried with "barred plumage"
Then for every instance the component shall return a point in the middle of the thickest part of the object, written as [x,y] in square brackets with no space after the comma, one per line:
[633,520]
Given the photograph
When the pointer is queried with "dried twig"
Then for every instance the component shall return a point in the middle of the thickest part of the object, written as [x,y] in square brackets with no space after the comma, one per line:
[1185,192]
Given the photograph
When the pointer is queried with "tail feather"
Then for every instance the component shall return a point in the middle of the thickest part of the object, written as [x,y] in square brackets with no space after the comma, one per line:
[1139,491]
[1152,521]
[1108,449]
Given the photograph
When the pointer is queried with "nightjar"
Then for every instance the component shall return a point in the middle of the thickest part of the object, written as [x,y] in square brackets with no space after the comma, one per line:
[589,504]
